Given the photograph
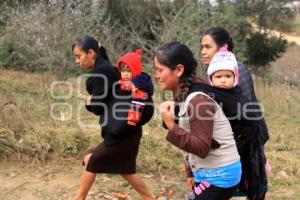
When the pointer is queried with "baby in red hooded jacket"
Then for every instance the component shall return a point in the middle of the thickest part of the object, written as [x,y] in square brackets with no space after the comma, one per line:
[135,81]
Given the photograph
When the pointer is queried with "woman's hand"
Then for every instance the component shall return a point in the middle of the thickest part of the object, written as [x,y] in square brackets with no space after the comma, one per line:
[167,110]
[89,100]
[190,183]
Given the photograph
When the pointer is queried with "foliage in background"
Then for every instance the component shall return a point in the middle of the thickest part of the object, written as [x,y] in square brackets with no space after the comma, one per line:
[261,55]
[37,35]
[272,14]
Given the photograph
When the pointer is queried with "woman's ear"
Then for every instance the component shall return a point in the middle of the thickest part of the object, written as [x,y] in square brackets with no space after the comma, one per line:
[179,70]
[92,53]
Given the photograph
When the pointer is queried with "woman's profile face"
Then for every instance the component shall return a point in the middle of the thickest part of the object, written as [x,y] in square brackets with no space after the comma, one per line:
[166,78]
[84,59]
[208,49]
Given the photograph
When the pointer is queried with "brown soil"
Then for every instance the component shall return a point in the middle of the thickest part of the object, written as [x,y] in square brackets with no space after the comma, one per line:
[59,180]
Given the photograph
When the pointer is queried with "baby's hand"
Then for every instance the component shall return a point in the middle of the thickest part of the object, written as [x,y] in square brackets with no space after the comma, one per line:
[127,85]
[88,100]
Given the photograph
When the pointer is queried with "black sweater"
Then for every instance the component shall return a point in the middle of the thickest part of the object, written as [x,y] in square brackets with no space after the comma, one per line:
[242,114]
[99,85]
[112,104]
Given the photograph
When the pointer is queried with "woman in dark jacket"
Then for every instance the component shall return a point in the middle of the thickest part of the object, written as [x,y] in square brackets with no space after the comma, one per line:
[251,144]
[117,153]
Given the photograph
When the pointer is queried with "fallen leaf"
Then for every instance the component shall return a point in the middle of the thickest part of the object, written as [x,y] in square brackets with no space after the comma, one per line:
[148,176]
[121,195]
[108,197]
[171,193]
[182,167]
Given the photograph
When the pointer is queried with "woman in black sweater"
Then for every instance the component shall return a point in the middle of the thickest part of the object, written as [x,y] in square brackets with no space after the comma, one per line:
[251,138]
[117,153]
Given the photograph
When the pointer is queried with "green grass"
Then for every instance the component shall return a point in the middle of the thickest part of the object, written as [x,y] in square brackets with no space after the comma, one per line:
[296,26]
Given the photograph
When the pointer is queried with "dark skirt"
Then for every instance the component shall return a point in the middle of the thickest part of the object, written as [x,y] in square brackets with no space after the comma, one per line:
[254,178]
[119,158]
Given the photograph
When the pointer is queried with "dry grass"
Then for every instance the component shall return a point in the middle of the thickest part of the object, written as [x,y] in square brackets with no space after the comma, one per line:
[30,95]
[159,161]
[296,25]
[281,103]
[287,68]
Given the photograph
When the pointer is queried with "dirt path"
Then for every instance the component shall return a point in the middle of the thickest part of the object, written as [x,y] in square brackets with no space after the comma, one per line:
[289,38]
[59,180]
[27,181]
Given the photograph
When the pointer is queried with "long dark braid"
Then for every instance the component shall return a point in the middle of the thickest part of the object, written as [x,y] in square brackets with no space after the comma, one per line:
[185,86]
[171,55]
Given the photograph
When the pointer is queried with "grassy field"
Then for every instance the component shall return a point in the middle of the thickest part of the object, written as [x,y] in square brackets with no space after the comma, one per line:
[296,25]
[286,68]
[41,157]
[281,103]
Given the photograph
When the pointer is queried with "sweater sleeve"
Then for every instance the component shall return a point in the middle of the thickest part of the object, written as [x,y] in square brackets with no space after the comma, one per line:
[102,86]
[135,112]
[201,118]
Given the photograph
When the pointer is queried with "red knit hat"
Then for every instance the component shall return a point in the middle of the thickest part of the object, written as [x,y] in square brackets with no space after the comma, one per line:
[134,62]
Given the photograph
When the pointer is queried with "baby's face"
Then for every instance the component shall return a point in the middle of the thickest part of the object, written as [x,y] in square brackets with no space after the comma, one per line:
[126,73]
[223,79]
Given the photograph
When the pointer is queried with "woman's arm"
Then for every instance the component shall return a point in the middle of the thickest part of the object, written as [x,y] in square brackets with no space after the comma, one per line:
[199,140]
[102,87]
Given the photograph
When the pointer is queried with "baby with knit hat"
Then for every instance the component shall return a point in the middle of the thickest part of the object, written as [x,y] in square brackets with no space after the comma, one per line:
[223,70]
[135,81]
[223,73]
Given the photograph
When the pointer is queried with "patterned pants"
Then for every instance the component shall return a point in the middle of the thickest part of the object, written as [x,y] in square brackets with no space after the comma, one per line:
[206,191]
